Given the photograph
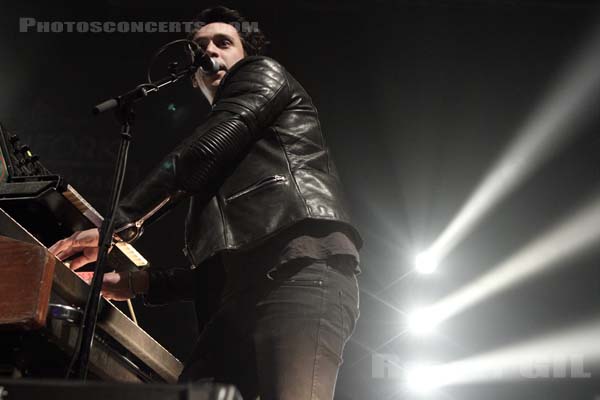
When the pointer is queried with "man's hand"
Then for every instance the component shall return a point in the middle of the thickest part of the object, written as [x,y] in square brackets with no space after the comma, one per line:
[115,286]
[119,285]
[85,242]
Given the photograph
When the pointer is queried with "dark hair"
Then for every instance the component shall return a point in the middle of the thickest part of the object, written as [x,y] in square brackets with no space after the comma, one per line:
[253,40]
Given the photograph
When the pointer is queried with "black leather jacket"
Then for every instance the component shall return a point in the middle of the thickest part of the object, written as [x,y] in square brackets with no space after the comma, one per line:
[259,165]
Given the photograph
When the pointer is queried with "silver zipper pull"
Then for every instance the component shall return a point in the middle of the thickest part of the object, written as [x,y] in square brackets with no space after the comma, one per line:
[150,213]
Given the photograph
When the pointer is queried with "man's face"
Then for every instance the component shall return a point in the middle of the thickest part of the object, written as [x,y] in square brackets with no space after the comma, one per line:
[222,42]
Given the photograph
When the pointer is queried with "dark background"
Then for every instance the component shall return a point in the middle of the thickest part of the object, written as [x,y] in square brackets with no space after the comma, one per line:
[417,100]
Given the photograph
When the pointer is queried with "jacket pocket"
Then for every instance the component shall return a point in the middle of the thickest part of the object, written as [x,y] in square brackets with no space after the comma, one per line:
[268,181]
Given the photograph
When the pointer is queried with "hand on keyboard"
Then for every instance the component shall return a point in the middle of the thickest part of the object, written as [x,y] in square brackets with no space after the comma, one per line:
[84,242]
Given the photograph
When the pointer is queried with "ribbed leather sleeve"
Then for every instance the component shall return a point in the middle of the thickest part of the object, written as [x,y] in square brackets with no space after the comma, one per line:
[250,97]
[203,163]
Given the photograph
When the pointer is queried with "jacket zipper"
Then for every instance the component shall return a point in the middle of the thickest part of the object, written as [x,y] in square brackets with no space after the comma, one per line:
[150,213]
[138,224]
[263,182]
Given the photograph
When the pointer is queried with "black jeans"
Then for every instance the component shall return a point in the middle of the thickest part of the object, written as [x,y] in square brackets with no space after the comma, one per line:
[280,333]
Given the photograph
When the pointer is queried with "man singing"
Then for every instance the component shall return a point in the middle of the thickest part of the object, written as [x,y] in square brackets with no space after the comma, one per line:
[273,253]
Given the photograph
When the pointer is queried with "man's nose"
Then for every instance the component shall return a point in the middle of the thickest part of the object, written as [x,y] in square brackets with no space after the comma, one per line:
[212,50]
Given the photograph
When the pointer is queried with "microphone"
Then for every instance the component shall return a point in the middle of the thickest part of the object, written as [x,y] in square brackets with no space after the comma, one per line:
[206,63]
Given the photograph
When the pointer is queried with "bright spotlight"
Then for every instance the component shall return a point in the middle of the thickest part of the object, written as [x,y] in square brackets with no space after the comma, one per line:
[422,378]
[422,321]
[426,262]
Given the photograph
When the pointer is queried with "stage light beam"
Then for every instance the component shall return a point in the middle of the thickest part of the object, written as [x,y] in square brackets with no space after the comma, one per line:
[575,234]
[568,353]
[551,126]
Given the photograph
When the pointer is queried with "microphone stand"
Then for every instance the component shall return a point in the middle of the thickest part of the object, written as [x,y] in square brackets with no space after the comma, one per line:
[123,106]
